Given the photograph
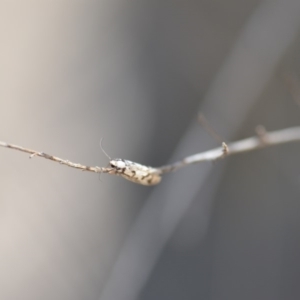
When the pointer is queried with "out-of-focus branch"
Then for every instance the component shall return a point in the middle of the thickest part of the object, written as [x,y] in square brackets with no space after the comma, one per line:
[263,139]
[292,83]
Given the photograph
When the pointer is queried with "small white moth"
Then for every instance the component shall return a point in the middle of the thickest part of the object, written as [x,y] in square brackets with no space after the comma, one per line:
[133,171]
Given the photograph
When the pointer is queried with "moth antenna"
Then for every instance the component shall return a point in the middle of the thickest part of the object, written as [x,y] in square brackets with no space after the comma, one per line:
[104,150]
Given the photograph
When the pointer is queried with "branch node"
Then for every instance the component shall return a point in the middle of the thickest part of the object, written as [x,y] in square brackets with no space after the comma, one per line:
[98,169]
[33,155]
[225,149]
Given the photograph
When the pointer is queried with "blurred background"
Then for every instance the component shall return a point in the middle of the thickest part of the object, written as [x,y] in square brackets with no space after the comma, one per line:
[137,73]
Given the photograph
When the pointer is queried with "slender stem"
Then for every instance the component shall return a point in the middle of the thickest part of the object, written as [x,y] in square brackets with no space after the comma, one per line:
[56,159]
[263,139]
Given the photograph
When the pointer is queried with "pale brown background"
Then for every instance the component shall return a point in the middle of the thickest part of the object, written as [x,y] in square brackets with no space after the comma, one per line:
[136,73]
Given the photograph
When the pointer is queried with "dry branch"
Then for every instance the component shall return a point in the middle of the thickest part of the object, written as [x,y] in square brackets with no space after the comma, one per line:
[263,139]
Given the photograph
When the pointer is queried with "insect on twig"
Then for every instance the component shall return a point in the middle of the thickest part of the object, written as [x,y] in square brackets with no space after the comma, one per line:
[148,176]
[135,172]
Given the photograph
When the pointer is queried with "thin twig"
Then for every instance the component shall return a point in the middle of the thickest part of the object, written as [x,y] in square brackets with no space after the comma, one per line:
[203,121]
[264,139]
[56,159]
[287,135]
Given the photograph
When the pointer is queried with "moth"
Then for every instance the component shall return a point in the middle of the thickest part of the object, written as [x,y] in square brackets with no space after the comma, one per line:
[133,171]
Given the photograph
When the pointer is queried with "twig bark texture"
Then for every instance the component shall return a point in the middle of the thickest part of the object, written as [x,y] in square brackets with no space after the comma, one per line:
[263,139]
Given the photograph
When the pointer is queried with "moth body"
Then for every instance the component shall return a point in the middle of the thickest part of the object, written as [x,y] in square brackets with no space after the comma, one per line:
[135,172]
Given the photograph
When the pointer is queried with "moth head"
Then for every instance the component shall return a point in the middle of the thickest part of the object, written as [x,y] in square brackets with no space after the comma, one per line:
[117,164]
